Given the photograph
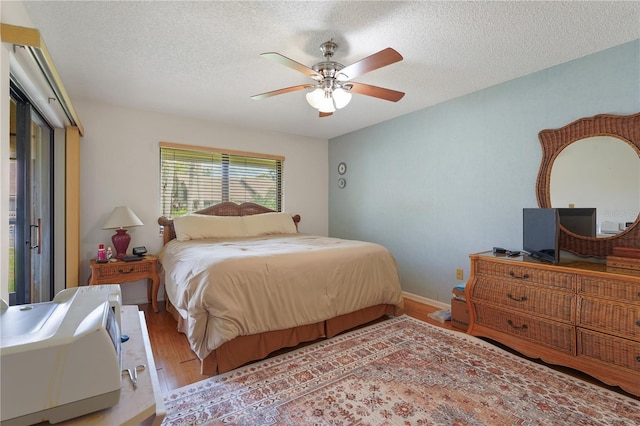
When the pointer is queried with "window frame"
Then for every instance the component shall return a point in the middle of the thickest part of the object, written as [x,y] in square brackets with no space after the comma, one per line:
[227,157]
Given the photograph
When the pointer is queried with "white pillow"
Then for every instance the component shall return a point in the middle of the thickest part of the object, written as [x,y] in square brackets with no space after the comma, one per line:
[198,226]
[269,223]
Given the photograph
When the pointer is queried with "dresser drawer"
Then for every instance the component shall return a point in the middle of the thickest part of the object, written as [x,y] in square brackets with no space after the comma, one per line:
[529,275]
[558,305]
[122,269]
[609,349]
[556,335]
[610,288]
[609,316]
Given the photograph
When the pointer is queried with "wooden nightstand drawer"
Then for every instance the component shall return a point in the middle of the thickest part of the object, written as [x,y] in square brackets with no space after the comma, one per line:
[611,350]
[117,270]
[552,334]
[528,298]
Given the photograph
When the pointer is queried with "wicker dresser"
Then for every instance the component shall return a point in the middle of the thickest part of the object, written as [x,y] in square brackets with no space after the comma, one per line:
[580,315]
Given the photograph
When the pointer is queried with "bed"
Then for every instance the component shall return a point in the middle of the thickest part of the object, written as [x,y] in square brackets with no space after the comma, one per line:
[242,282]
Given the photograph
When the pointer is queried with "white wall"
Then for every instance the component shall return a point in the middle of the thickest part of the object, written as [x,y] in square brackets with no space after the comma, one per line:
[446,181]
[120,160]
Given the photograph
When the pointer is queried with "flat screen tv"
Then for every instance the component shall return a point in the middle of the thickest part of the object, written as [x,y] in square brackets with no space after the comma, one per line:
[540,233]
[581,221]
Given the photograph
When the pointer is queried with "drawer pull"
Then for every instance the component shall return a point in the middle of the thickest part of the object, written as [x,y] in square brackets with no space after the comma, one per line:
[518,299]
[520,277]
[638,358]
[122,271]
[638,323]
[522,327]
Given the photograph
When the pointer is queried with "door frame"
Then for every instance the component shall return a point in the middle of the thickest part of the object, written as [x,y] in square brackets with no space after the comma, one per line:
[24,234]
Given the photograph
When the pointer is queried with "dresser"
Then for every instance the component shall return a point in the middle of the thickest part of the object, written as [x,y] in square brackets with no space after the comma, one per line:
[581,315]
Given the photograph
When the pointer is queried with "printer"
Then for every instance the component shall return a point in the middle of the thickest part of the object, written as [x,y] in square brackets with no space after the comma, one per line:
[61,359]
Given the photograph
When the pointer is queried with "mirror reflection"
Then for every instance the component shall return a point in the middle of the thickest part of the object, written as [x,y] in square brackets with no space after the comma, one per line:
[601,172]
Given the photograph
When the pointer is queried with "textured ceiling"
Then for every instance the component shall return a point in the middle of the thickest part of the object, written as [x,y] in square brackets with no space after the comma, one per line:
[202,59]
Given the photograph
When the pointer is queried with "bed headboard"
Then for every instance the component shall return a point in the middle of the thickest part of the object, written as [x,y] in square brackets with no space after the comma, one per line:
[226,208]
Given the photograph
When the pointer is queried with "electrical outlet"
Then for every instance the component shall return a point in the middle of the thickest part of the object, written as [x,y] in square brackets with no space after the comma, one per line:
[459,274]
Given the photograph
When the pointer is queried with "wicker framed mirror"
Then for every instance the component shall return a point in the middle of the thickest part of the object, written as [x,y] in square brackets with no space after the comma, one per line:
[553,142]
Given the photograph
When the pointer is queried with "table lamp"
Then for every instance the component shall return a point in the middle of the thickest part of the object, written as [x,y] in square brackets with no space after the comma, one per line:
[122,217]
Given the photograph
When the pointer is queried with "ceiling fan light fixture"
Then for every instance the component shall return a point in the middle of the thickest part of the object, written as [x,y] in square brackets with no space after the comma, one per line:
[327,104]
[315,97]
[341,97]
[321,99]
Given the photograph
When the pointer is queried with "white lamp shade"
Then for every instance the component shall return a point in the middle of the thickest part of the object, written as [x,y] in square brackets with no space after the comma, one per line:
[122,217]
[327,105]
[315,97]
[341,98]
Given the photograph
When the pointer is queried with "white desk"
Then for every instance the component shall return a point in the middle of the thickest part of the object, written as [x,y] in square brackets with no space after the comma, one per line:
[141,405]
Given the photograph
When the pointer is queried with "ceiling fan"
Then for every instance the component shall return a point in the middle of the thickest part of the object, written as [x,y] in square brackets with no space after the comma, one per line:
[333,86]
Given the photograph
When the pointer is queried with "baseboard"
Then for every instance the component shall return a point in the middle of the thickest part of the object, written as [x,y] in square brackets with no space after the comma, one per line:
[426,301]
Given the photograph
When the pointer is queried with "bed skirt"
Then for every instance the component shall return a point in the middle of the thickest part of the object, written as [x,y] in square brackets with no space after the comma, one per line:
[244,349]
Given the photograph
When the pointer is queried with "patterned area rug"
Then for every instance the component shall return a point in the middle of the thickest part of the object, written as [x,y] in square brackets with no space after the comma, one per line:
[398,372]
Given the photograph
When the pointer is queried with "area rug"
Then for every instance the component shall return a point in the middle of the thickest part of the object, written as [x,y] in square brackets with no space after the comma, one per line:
[401,371]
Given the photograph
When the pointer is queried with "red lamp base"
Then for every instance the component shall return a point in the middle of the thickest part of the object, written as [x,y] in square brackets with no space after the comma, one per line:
[120,242]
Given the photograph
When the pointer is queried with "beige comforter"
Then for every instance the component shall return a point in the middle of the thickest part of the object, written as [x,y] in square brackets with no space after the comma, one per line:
[247,286]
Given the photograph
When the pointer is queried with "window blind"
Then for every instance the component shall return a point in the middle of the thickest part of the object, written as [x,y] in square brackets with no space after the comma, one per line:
[194,178]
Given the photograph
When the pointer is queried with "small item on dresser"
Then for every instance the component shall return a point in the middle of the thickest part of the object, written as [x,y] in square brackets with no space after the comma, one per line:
[102,254]
[139,251]
[608,227]
[130,258]
[109,253]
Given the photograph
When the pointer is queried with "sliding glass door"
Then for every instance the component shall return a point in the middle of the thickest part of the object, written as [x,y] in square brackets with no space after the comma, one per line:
[31,204]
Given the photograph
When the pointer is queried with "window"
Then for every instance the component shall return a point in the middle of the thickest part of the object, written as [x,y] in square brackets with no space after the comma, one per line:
[192,178]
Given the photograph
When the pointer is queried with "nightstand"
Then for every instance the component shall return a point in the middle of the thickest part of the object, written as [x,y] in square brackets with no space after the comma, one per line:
[119,272]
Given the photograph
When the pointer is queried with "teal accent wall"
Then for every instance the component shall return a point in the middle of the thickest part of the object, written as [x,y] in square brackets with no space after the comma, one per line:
[438,184]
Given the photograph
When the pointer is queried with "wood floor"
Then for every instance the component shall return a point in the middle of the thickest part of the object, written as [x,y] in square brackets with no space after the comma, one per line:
[178,366]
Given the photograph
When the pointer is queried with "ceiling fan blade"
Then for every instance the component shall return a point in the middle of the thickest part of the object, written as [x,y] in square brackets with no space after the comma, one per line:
[292,64]
[381,59]
[376,92]
[281,91]
[324,114]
